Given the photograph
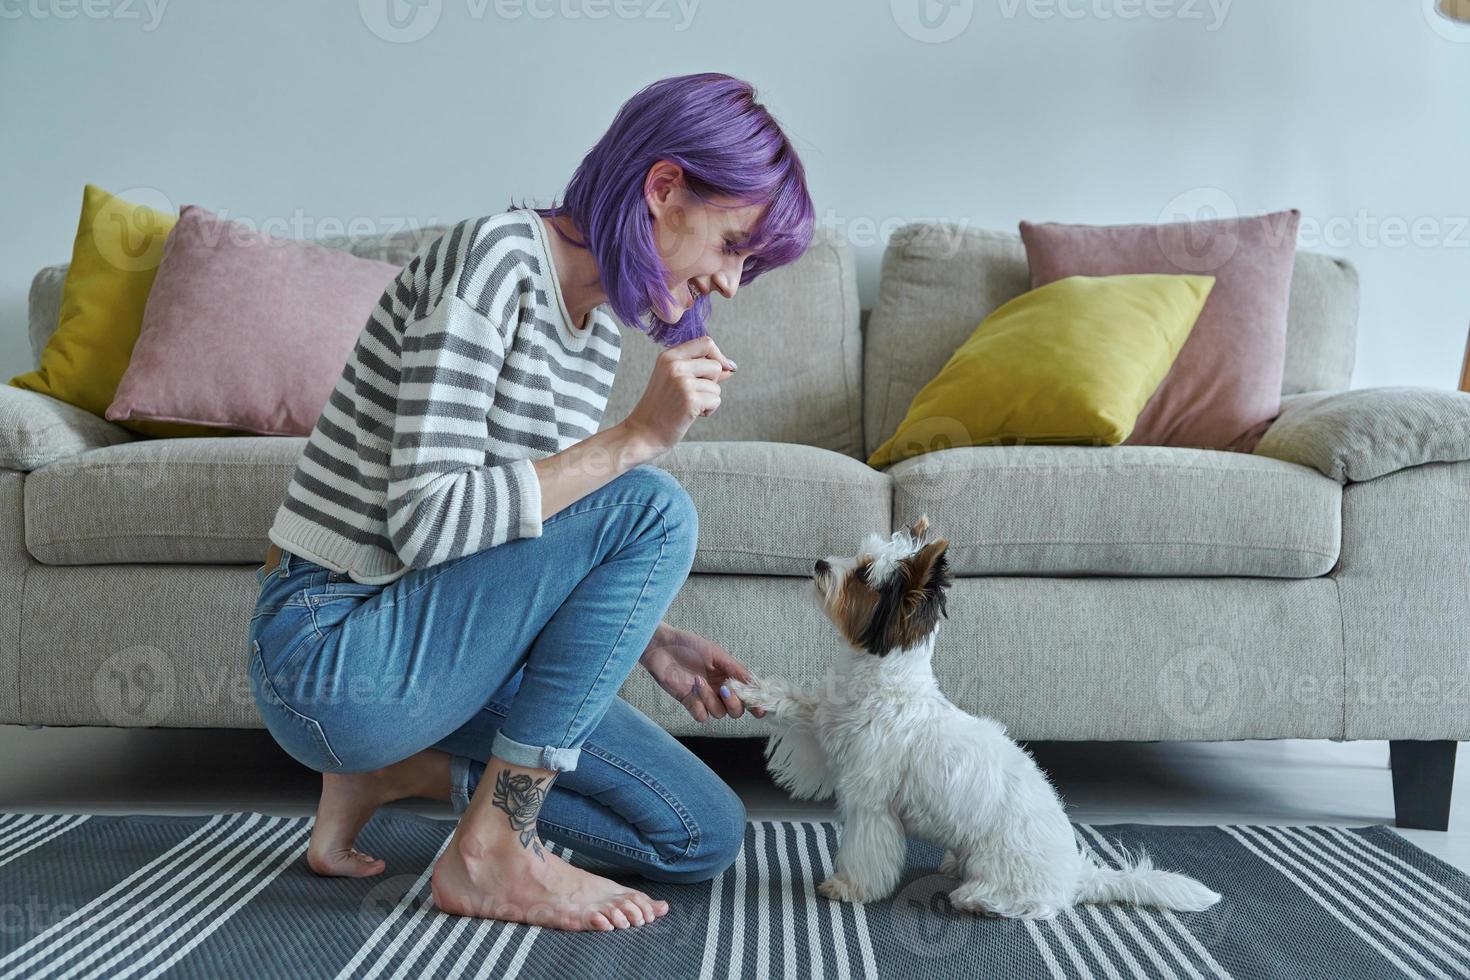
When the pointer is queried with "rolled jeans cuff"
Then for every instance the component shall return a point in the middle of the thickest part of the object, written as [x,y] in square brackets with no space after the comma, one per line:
[459,783]
[533,756]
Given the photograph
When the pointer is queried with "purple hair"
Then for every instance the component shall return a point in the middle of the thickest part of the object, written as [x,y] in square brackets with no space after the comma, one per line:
[711,125]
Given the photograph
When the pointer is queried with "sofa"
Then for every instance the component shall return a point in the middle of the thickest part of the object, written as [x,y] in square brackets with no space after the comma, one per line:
[1100,593]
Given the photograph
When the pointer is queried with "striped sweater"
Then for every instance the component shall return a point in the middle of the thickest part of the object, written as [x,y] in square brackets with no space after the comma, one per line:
[468,370]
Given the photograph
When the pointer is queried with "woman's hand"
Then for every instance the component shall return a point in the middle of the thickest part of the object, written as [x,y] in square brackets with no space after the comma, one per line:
[693,671]
[684,385]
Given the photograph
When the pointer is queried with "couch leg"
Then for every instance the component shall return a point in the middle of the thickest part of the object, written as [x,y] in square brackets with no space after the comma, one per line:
[1423,774]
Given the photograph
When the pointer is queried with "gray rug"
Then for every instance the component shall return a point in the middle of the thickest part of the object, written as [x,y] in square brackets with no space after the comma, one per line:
[230,896]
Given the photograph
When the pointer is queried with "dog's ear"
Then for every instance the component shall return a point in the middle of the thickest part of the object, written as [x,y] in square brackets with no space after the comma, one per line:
[927,578]
[909,603]
[920,526]
[909,609]
[926,574]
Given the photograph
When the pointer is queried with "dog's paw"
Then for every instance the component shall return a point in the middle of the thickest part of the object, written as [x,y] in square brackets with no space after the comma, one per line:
[840,889]
[758,694]
[1037,910]
[748,692]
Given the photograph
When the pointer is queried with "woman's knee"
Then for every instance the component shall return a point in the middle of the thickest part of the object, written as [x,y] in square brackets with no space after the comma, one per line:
[677,515]
[719,819]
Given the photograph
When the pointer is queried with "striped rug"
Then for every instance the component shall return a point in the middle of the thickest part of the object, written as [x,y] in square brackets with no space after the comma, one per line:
[230,896]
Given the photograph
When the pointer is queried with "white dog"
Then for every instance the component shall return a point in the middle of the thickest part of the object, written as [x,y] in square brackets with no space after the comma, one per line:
[901,759]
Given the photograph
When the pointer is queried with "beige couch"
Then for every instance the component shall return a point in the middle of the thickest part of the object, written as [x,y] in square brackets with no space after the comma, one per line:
[1129,593]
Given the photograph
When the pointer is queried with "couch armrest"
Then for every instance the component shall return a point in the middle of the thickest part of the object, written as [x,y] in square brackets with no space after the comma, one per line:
[1360,435]
[36,429]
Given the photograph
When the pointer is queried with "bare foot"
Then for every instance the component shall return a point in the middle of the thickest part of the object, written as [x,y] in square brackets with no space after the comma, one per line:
[349,799]
[529,884]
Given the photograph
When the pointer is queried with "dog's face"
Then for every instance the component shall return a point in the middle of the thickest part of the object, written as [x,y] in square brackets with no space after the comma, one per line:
[890,595]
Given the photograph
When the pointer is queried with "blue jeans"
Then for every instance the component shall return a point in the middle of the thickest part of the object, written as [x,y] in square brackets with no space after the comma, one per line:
[516,651]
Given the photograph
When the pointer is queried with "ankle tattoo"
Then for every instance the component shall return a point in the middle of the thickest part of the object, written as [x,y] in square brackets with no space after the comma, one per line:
[521,797]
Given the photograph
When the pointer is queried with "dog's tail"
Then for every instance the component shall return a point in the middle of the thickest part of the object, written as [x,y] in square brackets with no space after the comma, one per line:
[1140,883]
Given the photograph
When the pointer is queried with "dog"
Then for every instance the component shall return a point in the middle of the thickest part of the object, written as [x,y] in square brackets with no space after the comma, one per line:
[901,759]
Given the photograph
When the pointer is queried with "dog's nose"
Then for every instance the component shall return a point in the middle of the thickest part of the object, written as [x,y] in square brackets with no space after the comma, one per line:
[822,565]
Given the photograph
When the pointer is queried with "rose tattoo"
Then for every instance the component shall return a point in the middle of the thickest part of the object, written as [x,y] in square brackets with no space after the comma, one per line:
[521,797]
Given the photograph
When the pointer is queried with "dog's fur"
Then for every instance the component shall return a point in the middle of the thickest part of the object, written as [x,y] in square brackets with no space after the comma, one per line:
[902,759]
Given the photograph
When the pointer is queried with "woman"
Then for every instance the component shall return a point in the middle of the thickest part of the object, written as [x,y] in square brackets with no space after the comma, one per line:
[464,571]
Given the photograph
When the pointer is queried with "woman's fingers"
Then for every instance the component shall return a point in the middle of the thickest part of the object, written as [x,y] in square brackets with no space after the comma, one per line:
[713,703]
[732,702]
[702,347]
[706,395]
[737,670]
[702,703]
[694,704]
[758,712]
[702,367]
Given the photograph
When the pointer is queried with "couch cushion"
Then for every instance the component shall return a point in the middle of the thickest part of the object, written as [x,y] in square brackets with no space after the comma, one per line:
[1225,384]
[1356,436]
[100,310]
[1145,658]
[208,500]
[1122,510]
[279,318]
[764,508]
[393,247]
[795,332]
[940,280]
[773,508]
[1072,362]
[36,429]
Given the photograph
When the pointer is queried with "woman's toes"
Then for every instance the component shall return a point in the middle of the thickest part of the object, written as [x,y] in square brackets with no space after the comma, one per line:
[645,905]
[616,917]
[601,923]
[348,863]
[360,865]
[367,860]
[634,912]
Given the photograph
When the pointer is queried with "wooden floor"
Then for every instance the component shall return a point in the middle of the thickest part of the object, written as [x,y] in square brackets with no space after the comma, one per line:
[1285,782]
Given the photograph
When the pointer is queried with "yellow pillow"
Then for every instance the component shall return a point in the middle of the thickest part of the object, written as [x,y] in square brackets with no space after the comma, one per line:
[1072,362]
[113,262]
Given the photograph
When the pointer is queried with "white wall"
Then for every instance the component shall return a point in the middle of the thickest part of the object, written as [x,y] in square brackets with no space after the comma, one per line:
[1095,111]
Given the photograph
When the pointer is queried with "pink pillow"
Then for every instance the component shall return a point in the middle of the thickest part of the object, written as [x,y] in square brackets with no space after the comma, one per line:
[245,331]
[1224,388]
